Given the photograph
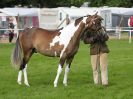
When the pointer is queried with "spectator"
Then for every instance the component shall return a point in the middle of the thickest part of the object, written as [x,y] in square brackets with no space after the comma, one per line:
[11,29]
[130,21]
[130,24]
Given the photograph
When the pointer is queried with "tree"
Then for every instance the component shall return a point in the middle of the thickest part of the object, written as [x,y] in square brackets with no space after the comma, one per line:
[41,3]
[112,3]
[66,3]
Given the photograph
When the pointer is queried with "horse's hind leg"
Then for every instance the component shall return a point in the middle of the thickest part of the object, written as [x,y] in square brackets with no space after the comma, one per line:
[23,67]
[19,77]
[67,69]
[25,76]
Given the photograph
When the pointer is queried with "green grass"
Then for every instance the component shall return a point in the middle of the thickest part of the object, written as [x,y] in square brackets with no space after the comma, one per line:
[42,72]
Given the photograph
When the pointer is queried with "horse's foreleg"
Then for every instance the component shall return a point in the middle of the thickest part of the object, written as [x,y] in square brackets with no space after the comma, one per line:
[25,76]
[62,60]
[67,69]
[57,76]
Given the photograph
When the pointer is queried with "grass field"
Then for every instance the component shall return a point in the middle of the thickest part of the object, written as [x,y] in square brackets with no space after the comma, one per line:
[42,72]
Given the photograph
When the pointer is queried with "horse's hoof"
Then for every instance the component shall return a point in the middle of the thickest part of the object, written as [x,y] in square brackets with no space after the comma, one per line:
[27,84]
[65,84]
[55,85]
[19,82]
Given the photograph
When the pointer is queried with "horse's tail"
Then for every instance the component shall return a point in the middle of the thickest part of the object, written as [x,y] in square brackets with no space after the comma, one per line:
[16,57]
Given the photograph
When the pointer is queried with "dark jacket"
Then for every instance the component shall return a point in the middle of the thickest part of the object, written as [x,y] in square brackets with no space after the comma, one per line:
[97,42]
[11,25]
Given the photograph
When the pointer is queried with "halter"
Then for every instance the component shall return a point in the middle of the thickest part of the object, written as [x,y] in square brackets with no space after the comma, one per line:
[97,30]
[102,28]
[92,21]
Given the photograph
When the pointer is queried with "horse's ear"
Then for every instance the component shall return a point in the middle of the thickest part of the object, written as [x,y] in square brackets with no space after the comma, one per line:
[88,15]
[96,13]
[101,18]
[77,21]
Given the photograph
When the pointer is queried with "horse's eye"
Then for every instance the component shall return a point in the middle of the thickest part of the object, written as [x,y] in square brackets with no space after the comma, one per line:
[99,22]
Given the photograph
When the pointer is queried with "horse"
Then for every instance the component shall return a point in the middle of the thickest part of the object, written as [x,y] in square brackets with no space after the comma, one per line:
[62,43]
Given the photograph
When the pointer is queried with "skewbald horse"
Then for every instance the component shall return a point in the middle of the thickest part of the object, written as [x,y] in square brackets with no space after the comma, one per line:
[63,43]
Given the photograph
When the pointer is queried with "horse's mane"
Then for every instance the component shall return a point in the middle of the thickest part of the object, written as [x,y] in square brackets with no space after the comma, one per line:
[82,17]
[78,20]
[25,29]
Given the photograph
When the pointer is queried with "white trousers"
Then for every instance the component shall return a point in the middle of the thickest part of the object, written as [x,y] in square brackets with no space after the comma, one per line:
[99,65]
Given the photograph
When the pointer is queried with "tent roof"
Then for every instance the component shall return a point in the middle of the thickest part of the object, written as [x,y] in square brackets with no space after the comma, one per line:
[73,11]
[79,11]
[121,10]
[6,13]
[23,11]
[91,10]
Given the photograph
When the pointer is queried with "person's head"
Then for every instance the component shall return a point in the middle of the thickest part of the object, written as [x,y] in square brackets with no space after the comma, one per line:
[10,19]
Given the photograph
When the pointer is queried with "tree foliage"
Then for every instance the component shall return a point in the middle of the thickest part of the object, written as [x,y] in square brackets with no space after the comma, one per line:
[112,3]
[66,3]
[41,3]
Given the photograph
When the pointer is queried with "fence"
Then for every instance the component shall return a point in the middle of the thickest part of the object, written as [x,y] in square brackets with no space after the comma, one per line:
[118,32]
[4,35]
[114,32]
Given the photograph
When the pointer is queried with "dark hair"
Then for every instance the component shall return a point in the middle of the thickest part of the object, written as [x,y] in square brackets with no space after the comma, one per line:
[11,25]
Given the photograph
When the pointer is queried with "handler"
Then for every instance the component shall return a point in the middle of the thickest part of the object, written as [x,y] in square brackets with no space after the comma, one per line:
[99,54]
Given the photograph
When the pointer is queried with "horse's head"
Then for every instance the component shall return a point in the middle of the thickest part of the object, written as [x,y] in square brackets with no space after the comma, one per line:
[93,22]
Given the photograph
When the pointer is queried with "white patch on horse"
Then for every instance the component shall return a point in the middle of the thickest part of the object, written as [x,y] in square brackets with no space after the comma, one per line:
[66,74]
[25,76]
[19,77]
[55,40]
[57,76]
[65,36]
[84,20]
